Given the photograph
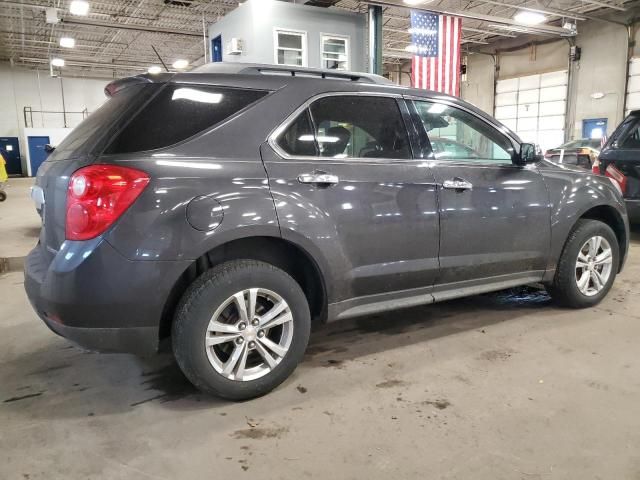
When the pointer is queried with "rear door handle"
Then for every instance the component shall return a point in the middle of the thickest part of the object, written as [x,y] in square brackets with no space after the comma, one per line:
[319,178]
[457,183]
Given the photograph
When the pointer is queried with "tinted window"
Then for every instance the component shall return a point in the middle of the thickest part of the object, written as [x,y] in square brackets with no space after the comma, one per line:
[632,140]
[97,124]
[299,138]
[179,112]
[462,136]
[359,127]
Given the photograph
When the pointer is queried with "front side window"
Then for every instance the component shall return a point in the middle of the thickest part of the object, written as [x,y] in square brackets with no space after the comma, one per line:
[349,127]
[335,52]
[290,48]
[179,112]
[460,136]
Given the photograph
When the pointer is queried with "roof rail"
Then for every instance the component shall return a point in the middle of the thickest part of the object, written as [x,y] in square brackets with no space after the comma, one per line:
[313,72]
[266,69]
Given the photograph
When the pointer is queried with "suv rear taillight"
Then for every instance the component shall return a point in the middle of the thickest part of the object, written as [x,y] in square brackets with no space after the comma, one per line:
[97,196]
[595,168]
[618,176]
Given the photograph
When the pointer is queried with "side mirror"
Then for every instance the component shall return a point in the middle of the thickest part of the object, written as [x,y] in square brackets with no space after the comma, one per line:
[529,153]
[49,148]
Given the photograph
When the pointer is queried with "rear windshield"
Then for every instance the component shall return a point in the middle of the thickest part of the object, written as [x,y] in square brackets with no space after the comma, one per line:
[583,142]
[179,112]
[88,134]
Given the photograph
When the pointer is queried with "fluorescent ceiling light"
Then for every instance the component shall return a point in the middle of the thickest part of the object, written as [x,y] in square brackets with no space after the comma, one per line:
[529,18]
[180,64]
[416,2]
[67,42]
[57,62]
[153,69]
[79,7]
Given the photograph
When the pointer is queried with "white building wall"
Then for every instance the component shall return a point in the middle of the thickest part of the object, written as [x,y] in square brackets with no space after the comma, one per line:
[254,22]
[29,88]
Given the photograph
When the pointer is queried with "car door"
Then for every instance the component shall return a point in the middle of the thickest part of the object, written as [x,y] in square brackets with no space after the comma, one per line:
[494,215]
[347,189]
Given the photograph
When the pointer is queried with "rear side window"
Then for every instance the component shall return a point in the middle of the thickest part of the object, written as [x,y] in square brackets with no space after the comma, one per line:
[114,110]
[346,126]
[299,138]
[179,112]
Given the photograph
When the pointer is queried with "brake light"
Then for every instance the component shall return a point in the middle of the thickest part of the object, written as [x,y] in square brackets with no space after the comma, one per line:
[595,168]
[618,176]
[97,196]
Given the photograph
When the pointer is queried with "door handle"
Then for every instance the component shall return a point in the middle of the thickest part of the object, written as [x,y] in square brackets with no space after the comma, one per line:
[457,183]
[319,178]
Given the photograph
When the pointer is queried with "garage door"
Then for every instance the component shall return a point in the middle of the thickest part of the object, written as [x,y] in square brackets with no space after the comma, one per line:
[534,107]
[633,87]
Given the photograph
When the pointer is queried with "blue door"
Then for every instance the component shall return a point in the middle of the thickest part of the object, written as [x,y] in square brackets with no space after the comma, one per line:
[37,152]
[10,150]
[594,128]
[216,49]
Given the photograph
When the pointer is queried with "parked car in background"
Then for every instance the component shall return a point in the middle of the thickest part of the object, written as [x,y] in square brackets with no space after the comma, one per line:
[620,160]
[582,153]
[227,208]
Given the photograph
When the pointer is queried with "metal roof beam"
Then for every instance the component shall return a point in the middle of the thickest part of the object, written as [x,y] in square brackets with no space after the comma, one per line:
[540,29]
[138,28]
[544,11]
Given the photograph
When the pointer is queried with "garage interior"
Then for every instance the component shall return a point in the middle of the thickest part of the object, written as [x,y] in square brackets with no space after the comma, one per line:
[504,385]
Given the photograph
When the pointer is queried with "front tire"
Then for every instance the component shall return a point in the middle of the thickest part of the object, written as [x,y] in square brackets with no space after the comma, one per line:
[241,329]
[588,265]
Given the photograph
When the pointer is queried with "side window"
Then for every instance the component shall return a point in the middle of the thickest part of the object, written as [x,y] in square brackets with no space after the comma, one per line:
[299,138]
[462,136]
[632,140]
[179,112]
[359,127]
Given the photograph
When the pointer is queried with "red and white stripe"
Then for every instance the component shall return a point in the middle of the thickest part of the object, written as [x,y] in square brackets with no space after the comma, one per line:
[441,73]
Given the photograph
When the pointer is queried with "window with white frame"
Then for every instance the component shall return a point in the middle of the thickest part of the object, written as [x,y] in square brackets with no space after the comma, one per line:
[335,52]
[290,47]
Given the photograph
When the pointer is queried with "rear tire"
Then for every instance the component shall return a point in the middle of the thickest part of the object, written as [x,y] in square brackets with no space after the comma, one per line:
[241,329]
[588,265]
[3,196]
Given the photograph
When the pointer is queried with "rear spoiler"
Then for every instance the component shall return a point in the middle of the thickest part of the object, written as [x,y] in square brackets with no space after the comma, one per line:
[114,87]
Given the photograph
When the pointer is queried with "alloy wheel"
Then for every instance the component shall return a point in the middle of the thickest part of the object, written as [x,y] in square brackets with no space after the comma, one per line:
[249,334]
[594,265]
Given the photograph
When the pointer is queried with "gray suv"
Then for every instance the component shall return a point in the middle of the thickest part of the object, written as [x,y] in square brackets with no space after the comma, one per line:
[229,208]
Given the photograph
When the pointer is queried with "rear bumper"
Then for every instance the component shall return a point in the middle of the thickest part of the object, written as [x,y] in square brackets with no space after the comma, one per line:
[633,210]
[98,299]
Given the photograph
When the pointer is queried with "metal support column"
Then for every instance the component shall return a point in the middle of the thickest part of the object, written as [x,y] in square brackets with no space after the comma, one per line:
[374,18]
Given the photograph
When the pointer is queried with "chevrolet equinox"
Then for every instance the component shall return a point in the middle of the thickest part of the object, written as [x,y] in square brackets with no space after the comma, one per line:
[228,208]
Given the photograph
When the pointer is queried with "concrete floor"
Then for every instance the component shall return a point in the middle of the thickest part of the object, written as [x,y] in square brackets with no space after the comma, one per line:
[502,386]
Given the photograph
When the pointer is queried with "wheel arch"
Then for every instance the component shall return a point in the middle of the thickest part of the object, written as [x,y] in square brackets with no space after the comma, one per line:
[288,256]
[612,217]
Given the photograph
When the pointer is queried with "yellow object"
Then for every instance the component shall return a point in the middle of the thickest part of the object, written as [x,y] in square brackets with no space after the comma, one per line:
[3,170]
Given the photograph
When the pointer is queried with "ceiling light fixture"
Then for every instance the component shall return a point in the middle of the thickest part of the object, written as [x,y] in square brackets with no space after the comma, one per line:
[57,62]
[67,42]
[180,64]
[154,69]
[529,18]
[79,7]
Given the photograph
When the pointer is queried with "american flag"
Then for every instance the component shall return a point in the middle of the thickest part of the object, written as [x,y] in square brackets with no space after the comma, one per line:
[435,43]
